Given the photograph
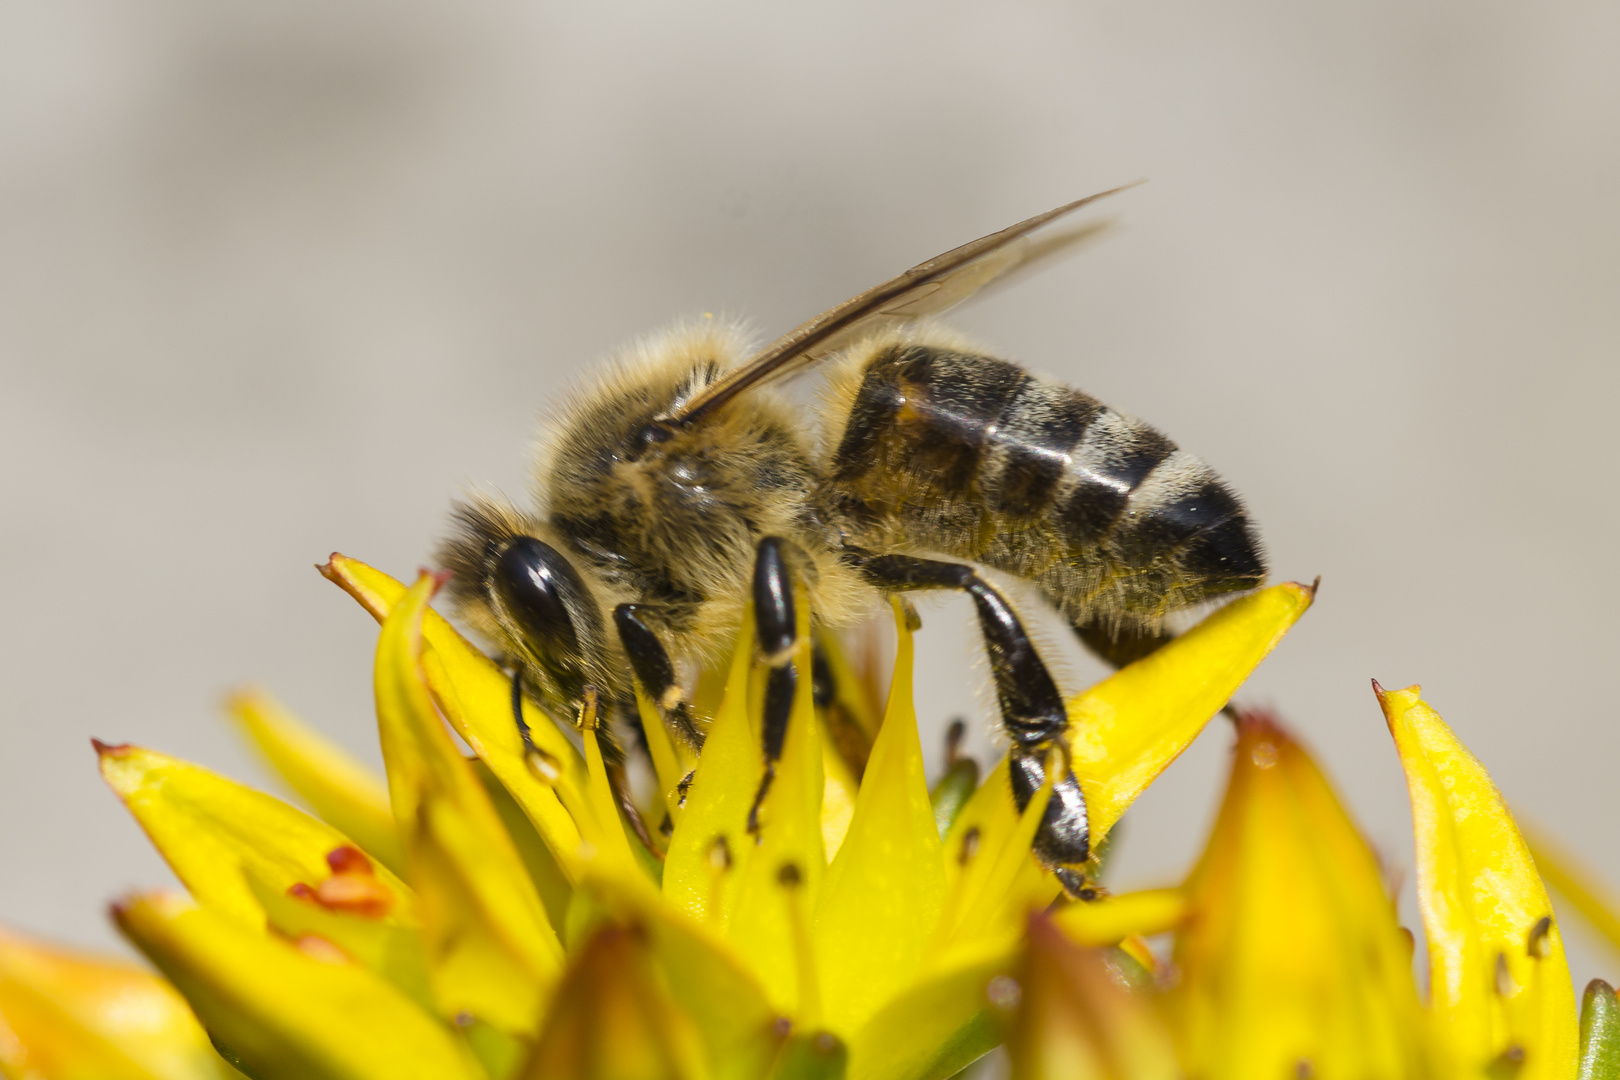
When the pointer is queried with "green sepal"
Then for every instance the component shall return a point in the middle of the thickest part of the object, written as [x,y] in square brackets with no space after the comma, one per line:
[1600,1033]
[952,792]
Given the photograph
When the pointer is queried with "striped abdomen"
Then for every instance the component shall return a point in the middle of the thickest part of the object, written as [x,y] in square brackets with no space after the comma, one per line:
[949,452]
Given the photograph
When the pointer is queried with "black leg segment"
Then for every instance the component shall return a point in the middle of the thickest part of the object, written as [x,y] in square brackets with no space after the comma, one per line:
[654,669]
[775,620]
[776,630]
[1064,837]
[1032,707]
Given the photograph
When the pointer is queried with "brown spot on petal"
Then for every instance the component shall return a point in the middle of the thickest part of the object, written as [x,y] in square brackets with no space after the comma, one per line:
[301,891]
[349,860]
[358,894]
[970,845]
[318,948]
[1539,943]
[1508,1063]
[1505,984]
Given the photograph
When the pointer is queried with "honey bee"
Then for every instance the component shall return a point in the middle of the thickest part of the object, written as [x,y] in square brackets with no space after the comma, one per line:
[679,488]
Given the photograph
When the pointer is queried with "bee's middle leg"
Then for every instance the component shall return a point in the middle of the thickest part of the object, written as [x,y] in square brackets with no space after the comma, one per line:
[1032,708]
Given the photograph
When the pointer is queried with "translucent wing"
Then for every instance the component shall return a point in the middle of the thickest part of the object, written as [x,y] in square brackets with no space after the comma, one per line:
[927,288]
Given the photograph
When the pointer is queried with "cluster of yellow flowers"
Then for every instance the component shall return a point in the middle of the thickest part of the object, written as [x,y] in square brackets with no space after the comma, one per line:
[493,917]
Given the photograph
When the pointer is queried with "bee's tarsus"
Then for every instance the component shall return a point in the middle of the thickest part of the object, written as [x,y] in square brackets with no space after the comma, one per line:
[759,800]
[781,686]
[1063,837]
[529,749]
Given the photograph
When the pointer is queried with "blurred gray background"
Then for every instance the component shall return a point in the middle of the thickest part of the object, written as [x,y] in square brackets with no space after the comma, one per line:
[281,278]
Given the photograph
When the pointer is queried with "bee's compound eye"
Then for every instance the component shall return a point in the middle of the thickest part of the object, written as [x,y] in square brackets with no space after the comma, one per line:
[541,591]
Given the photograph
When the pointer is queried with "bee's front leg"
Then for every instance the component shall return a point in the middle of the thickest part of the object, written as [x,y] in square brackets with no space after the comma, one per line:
[654,669]
[1032,708]
[776,630]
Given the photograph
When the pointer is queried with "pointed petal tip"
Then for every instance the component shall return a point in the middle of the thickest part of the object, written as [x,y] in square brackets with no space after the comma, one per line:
[438,577]
[110,749]
[1259,720]
[1385,694]
[244,696]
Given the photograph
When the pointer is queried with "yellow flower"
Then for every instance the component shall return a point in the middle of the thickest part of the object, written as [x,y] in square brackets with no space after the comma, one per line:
[1291,963]
[494,916]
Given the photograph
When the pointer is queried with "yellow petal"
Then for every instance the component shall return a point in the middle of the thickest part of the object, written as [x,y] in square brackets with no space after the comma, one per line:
[477,700]
[1497,976]
[611,1019]
[706,979]
[544,869]
[710,845]
[341,791]
[492,951]
[668,765]
[935,1028]
[286,1015]
[1075,1021]
[1115,918]
[1127,729]
[215,833]
[69,1015]
[392,951]
[884,889]
[608,836]
[780,884]
[854,713]
[999,881]
[1291,960]
[838,793]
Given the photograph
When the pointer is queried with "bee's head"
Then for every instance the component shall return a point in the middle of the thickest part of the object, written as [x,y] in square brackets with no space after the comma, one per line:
[529,599]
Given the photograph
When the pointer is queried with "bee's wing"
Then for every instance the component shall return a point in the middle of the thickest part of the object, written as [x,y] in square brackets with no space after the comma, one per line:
[925,289]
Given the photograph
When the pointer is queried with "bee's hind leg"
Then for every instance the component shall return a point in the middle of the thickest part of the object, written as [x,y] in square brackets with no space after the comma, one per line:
[650,660]
[776,630]
[1032,708]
